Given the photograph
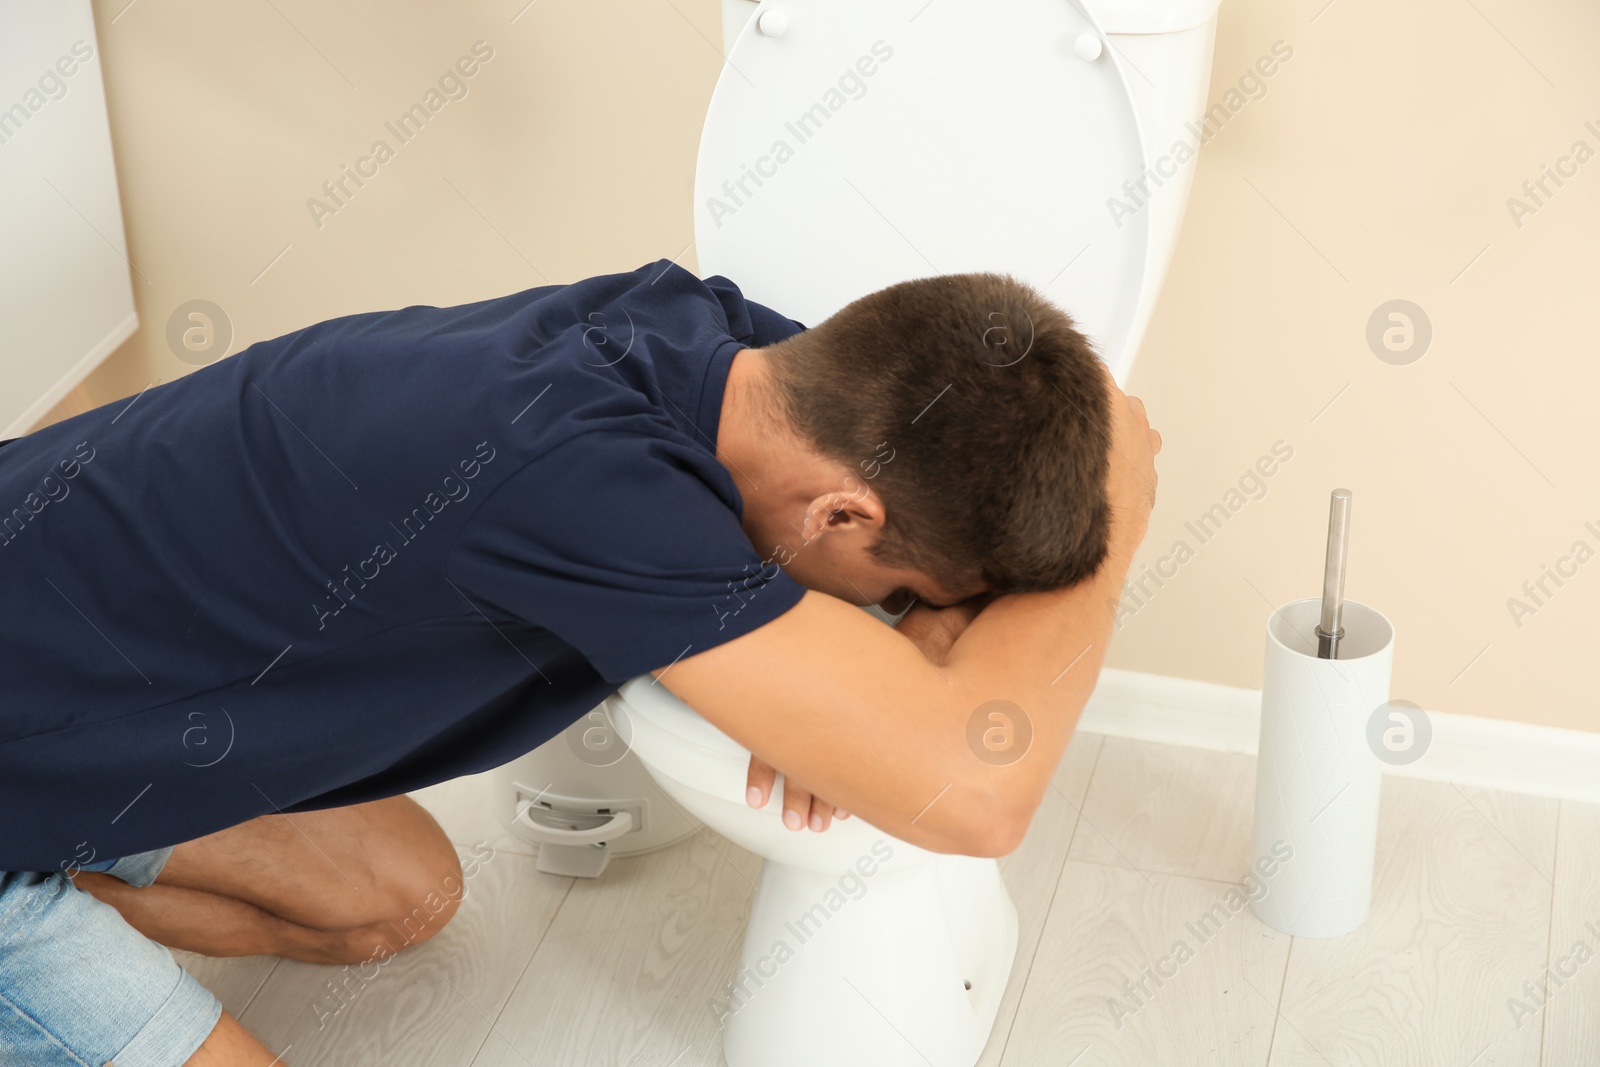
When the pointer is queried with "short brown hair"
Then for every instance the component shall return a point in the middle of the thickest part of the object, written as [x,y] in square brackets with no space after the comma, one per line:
[998,414]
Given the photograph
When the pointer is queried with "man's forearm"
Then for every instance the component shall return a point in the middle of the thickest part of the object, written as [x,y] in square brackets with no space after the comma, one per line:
[1043,653]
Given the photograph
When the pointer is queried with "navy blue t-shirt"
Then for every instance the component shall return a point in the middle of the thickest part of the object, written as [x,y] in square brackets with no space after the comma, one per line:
[377,553]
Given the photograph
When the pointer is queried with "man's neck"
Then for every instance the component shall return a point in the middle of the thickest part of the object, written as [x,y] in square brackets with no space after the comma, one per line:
[767,462]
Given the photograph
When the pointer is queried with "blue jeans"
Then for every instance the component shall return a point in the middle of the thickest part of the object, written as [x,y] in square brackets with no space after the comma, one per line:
[80,987]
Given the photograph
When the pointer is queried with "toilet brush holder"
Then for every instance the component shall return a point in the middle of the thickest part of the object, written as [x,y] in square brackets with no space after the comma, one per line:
[1317,781]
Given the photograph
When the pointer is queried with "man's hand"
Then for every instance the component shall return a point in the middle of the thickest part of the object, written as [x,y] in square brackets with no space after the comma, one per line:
[1131,481]
[800,808]
[932,631]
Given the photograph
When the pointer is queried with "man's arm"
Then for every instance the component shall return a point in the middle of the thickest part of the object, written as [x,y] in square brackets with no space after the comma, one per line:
[933,631]
[834,699]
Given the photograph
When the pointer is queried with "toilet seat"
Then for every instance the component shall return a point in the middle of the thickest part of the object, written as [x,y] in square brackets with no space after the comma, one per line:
[841,132]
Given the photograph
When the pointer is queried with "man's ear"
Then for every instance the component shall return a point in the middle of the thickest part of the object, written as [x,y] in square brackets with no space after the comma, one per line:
[839,511]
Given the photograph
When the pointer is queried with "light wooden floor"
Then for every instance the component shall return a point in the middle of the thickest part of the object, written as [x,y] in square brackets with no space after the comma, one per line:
[1476,894]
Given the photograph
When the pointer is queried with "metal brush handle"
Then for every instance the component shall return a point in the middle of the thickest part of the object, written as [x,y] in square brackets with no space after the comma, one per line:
[1329,631]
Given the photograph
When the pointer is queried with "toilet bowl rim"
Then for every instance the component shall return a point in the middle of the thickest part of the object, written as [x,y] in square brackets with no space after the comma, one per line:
[659,719]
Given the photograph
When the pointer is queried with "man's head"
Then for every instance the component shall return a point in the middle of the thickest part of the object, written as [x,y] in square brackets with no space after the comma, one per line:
[940,438]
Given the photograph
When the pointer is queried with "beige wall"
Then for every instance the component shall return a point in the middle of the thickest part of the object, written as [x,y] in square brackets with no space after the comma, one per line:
[1377,166]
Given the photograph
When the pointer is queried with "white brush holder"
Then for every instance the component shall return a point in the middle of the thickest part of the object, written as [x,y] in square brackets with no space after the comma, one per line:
[1317,781]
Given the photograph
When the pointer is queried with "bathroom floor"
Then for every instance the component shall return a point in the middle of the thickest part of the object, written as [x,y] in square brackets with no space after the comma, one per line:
[1477,893]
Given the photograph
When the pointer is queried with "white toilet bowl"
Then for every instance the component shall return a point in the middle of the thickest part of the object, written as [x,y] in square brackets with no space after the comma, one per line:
[860,948]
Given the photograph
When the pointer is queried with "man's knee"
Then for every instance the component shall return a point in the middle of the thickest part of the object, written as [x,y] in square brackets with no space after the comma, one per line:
[426,905]
[410,868]
[416,889]
[423,882]
[420,902]
[376,941]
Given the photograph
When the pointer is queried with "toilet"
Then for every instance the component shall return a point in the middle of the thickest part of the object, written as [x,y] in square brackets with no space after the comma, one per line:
[849,145]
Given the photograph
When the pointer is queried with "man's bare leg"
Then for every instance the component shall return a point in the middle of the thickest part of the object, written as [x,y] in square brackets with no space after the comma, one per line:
[337,886]
[230,1045]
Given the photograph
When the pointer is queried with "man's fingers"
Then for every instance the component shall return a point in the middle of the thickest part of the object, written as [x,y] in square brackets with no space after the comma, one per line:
[821,814]
[759,783]
[800,808]
[796,806]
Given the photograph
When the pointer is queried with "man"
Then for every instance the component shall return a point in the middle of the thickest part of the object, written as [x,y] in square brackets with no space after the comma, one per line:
[248,610]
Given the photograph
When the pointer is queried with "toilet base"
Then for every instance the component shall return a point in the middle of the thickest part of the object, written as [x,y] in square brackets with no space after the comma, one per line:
[905,965]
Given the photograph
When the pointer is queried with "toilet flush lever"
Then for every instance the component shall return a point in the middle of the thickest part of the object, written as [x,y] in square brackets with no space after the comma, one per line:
[1087,46]
[773,22]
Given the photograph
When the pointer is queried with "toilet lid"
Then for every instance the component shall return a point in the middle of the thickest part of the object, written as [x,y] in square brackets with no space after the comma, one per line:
[867,142]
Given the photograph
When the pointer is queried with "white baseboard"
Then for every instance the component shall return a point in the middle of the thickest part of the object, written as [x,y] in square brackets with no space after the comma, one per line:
[25,422]
[1466,749]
